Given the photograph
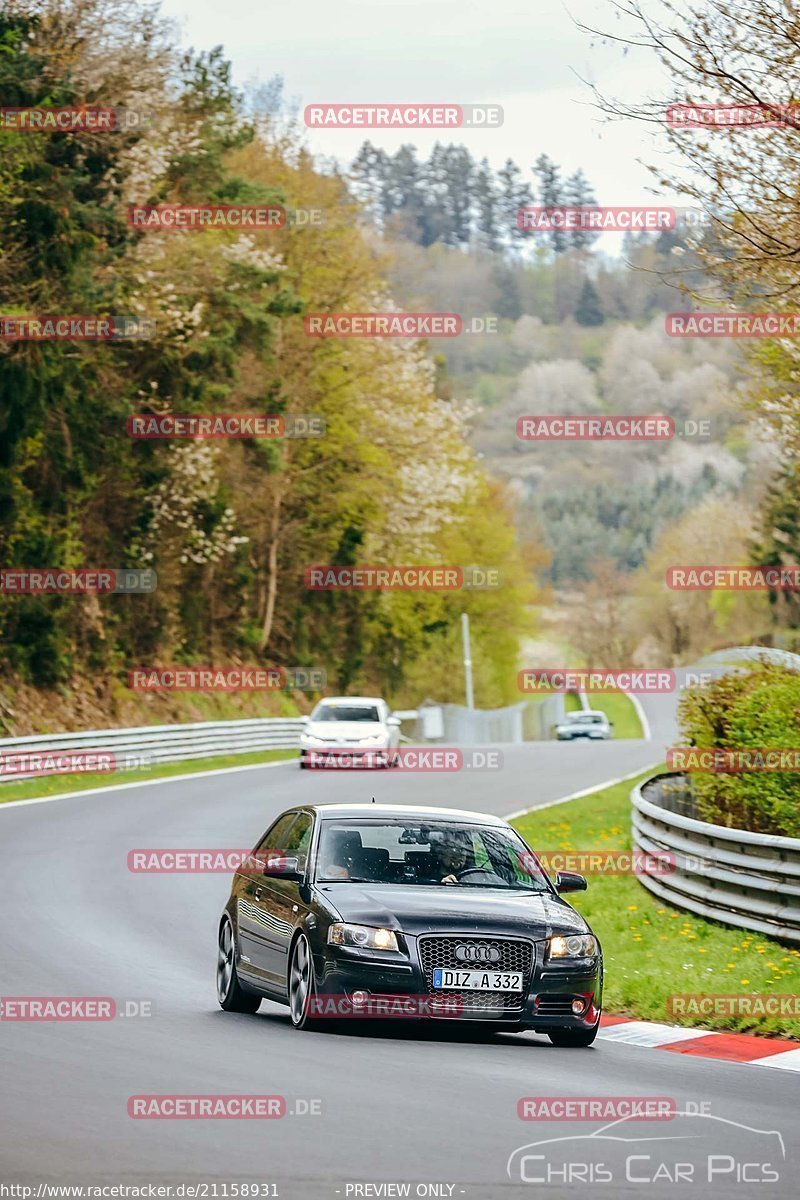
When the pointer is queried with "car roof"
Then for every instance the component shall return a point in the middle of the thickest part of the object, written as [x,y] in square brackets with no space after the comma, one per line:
[585,712]
[414,813]
[352,700]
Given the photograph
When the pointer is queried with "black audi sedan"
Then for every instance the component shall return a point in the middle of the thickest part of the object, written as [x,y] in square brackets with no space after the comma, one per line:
[366,910]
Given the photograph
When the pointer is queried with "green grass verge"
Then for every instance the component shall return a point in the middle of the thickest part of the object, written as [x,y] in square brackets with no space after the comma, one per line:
[54,785]
[653,951]
[572,702]
[619,709]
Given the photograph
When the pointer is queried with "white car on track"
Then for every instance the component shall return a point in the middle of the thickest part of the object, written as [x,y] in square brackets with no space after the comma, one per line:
[360,728]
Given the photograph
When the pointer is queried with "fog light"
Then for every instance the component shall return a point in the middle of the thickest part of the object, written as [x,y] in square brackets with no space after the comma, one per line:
[579,1007]
[359,998]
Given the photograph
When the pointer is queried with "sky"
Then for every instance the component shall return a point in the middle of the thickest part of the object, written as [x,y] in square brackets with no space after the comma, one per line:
[530,58]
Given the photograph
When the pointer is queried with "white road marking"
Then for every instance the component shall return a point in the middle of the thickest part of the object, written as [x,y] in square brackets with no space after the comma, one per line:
[121,787]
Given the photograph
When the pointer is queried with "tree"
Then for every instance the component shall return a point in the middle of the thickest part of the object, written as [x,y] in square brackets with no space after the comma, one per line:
[551,195]
[578,193]
[515,194]
[487,204]
[589,309]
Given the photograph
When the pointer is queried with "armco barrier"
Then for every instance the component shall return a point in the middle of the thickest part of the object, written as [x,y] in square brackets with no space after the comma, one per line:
[167,743]
[750,880]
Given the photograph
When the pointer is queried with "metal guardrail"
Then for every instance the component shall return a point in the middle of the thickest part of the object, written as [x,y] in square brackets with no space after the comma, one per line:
[147,744]
[749,880]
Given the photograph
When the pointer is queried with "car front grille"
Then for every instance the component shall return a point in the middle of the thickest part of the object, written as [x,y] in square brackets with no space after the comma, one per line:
[515,955]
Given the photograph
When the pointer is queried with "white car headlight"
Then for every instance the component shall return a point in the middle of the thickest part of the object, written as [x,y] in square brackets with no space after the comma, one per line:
[343,934]
[578,945]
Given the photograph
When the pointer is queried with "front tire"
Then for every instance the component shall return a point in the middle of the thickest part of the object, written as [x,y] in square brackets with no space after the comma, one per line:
[230,993]
[301,986]
[574,1037]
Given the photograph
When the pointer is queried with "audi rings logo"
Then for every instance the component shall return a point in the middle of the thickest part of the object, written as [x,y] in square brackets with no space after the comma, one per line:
[477,953]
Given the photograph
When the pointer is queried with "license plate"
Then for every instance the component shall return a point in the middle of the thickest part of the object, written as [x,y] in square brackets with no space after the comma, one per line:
[478,981]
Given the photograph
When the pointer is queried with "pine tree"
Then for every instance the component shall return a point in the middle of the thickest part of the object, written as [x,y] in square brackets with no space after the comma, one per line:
[487,203]
[589,308]
[578,193]
[514,195]
[551,195]
[369,173]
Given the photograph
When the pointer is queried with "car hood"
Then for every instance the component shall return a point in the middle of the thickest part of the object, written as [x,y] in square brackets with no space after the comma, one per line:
[416,910]
[341,730]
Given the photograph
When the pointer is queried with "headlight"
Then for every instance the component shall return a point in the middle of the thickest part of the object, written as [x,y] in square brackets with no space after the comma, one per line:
[342,934]
[373,737]
[579,945]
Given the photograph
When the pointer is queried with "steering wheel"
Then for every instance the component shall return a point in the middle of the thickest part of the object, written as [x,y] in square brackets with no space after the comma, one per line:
[472,871]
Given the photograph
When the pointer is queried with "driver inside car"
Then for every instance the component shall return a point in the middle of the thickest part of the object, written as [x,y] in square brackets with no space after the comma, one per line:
[449,855]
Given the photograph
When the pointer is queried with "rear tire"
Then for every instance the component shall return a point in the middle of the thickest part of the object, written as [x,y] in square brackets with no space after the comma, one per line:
[573,1037]
[230,993]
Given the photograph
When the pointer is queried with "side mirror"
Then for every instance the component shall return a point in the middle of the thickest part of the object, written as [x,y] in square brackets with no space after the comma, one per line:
[306,721]
[286,868]
[569,881]
[395,721]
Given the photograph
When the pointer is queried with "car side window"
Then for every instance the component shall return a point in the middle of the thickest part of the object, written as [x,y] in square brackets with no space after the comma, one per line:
[276,835]
[299,839]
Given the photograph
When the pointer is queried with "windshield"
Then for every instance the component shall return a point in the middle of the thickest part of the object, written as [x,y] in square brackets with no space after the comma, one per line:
[587,718]
[438,854]
[345,712]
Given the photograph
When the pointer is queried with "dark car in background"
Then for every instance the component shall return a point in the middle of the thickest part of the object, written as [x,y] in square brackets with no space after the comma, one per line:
[348,904]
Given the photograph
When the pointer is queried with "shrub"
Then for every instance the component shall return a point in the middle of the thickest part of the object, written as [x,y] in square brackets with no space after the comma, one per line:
[753,709]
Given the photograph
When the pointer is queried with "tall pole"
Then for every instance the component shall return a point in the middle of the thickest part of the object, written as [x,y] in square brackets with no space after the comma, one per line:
[467,659]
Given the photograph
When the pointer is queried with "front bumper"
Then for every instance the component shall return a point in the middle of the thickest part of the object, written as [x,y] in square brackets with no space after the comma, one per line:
[343,756]
[546,1002]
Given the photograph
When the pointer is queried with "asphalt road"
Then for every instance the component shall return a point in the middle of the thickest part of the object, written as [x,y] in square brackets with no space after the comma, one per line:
[396,1105]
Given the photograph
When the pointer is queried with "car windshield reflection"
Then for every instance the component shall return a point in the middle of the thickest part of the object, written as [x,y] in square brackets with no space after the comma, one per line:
[439,855]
